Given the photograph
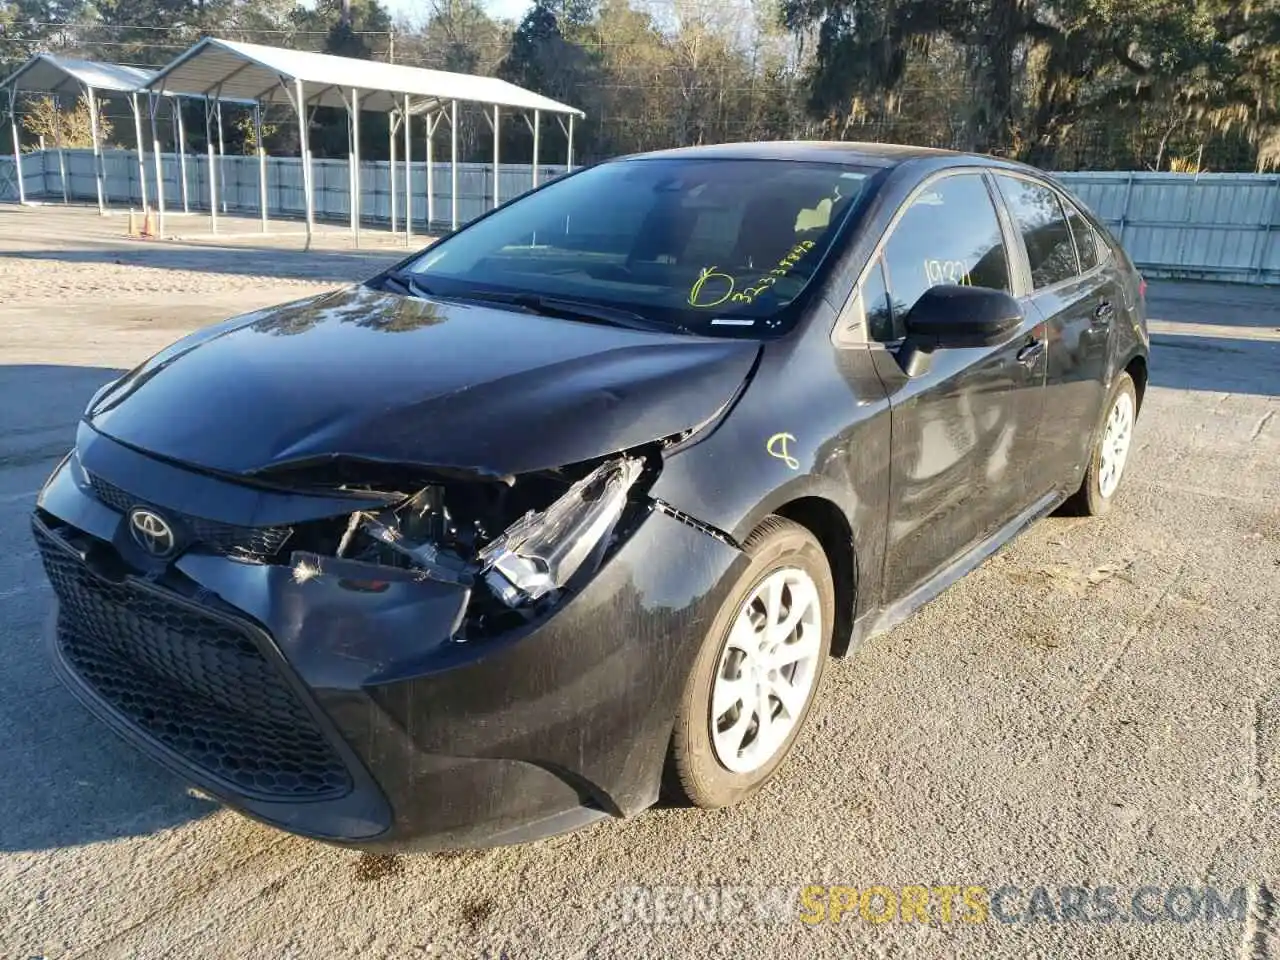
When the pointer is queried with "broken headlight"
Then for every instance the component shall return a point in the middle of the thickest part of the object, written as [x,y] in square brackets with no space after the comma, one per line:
[443,532]
[541,551]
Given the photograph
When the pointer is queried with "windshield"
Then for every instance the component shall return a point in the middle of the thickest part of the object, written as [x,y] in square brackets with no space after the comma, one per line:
[716,246]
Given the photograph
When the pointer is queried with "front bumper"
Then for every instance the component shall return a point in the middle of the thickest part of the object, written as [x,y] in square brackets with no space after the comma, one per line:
[351,716]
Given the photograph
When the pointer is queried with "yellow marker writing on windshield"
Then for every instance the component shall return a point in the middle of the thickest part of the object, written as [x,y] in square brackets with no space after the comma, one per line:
[709,273]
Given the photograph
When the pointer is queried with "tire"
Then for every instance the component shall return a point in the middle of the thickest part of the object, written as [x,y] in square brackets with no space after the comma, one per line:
[716,761]
[1104,473]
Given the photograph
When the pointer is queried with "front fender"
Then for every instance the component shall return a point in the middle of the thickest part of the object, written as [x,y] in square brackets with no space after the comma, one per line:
[823,435]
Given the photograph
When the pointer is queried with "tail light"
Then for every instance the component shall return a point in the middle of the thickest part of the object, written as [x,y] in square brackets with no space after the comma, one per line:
[1142,288]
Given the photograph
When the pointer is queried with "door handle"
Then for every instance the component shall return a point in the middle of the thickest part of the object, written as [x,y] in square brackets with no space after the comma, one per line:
[1104,312]
[1029,354]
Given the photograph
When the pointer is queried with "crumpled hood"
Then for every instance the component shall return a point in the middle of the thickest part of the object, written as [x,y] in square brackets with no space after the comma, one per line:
[366,374]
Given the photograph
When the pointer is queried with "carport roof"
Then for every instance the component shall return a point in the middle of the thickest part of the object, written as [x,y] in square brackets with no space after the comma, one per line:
[227,68]
[51,73]
[48,73]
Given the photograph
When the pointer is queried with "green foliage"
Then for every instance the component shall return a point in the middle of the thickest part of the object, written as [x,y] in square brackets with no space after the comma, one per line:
[365,36]
[1066,83]
[543,60]
[247,133]
[25,27]
[134,39]
[1041,74]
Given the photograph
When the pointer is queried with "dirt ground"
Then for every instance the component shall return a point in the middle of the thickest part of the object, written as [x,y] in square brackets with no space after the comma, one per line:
[1097,706]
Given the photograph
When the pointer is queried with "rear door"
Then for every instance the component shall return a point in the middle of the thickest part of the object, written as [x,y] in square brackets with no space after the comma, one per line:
[964,429]
[1062,262]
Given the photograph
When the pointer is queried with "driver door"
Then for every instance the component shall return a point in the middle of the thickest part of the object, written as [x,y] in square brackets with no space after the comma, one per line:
[963,429]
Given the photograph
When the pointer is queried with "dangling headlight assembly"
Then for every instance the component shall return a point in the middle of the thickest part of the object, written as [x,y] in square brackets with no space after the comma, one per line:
[449,531]
[540,552]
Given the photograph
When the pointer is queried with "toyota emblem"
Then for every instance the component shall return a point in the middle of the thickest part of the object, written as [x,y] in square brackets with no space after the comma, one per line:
[151,532]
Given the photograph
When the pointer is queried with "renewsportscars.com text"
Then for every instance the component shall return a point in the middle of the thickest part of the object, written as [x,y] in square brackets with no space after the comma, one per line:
[817,904]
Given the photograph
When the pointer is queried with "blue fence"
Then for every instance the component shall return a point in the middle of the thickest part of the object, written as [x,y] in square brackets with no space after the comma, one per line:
[239,184]
[1214,226]
[1209,226]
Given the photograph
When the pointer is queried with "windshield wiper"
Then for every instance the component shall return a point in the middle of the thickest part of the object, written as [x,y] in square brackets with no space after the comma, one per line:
[407,283]
[568,309]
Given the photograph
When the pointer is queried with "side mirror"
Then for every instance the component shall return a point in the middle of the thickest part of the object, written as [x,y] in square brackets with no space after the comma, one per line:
[953,316]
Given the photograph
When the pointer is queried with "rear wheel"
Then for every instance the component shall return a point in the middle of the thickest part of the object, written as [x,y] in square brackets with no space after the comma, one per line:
[1110,454]
[759,668]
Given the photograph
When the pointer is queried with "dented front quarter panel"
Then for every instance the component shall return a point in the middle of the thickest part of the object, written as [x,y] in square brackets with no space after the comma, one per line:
[466,737]
[813,423]
[467,741]
[499,740]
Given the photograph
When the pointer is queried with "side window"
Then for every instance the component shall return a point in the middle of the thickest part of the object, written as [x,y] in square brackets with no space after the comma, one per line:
[1086,239]
[875,304]
[948,234]
[1039,218]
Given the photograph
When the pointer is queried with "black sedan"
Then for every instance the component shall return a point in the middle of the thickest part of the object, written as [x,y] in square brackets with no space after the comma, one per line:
[572,507]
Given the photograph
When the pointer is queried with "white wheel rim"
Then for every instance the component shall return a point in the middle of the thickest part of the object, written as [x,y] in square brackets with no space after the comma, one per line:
[766,671]
[1116,439]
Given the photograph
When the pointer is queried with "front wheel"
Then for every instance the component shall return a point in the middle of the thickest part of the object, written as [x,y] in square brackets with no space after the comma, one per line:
[1110,453]
[756,675]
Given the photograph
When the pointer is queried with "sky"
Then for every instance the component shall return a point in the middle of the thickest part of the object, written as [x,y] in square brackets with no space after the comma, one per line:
[500,9]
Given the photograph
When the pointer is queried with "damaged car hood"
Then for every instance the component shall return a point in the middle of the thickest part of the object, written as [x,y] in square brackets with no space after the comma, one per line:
[364,374]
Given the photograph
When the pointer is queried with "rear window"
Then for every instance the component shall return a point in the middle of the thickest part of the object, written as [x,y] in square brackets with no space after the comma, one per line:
[1086,240]
[1038,215]
[719,246]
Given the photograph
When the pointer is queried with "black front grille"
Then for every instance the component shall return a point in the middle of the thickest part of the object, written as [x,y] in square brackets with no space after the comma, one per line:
[192,681]
[228,539]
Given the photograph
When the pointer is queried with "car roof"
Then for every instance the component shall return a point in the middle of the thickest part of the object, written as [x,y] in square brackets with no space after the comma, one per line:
[837,151]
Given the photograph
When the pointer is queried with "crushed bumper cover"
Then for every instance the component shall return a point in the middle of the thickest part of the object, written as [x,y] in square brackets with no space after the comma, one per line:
[351,716]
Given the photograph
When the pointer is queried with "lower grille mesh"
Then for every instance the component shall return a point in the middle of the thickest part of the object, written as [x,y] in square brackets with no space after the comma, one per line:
[194,683]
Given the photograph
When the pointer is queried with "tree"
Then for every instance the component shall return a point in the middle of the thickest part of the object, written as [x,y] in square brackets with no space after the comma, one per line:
[147,32]
[364,35]
[543,60]
[1106,84]
[247,133]
[71,128]
[29,26]
[538,53]
[1036,70]
[627,109]
[458,36]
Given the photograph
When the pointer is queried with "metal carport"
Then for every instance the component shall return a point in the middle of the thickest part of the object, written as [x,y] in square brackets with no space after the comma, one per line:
[218,68]
[61,76]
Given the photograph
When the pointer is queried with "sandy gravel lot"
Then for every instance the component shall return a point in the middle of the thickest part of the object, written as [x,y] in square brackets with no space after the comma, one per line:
[1097,706]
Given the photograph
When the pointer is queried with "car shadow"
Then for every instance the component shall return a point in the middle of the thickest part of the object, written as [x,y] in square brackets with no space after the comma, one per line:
[255,261]
[1215,364]
[68,780]
[1214,337]
[1202,303]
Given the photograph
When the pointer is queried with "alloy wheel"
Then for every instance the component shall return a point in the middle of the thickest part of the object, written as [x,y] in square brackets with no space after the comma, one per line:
[766,672]
[1116,439]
